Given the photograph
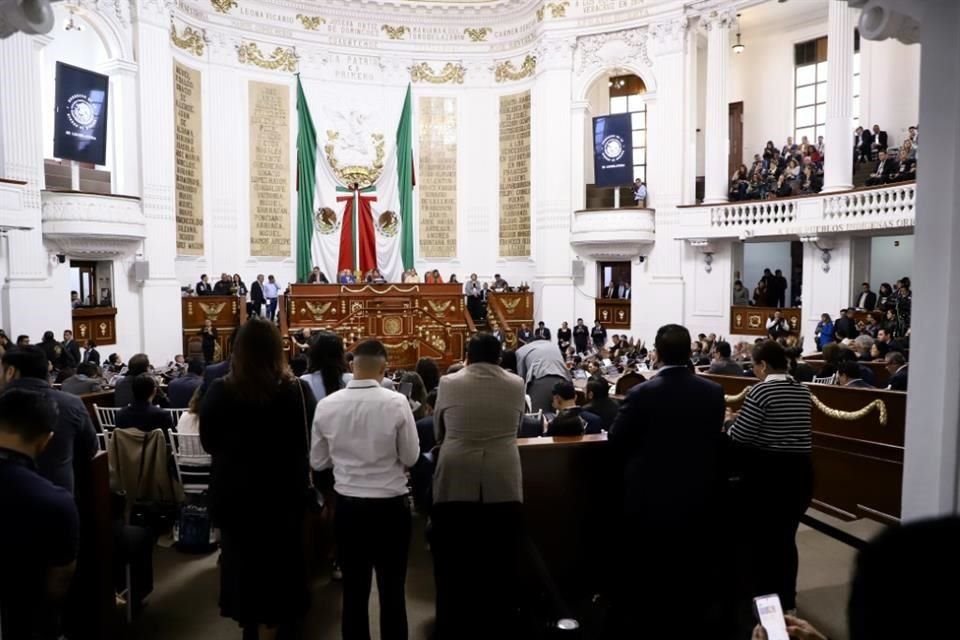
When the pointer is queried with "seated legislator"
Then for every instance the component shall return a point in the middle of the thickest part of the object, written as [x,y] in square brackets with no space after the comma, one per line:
[181,389]
[477,516]
[86,380]
[897,366]
[41,527]
[317,277]
[571,420]
[668,435]
[347,277]
[722,364]
[849,375]
[600,404]
[142,413]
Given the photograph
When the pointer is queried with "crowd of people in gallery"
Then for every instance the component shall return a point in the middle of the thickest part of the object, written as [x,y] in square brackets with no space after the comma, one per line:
[797,169]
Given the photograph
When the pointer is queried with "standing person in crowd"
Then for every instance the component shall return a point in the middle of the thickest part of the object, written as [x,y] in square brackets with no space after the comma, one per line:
[777,326]
[866,299]
[477,517]
[780,284]
[772,440]
[823,334]
[40,535]
[599,335]
[564,336]
[846,325]
[255,424]
[581,336]
[203,287]
[671,503]
[429,373]
[257,297]
[741,297]
[541,332]
[239,288]
[760,295]
[224,285]
[368,435]
[542,366]
[474,293]
[74,440]
[208,340]
[90,353]
[884,296]
[181,389]
[271,291]
[639,193]
[71,348]
[524,335]
[327,364]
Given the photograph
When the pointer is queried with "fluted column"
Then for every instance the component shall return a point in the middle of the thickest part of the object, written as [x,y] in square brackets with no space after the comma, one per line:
[717,107]
[124,125]
[838,163]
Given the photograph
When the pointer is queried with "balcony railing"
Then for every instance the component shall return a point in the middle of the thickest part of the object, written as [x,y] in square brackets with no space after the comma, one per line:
[886,207]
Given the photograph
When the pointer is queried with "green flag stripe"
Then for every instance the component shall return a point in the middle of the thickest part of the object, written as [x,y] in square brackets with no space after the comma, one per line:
[405,179]
[306,182]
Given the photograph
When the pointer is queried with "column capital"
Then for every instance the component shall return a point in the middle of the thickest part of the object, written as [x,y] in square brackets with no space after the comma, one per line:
[718,19]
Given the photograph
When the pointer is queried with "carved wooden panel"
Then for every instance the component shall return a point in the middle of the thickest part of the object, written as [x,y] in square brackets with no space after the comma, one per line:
[613,314]
[95,323]
[752,321]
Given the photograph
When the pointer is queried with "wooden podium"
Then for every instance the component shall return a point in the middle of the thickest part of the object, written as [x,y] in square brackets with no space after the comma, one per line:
[226,312]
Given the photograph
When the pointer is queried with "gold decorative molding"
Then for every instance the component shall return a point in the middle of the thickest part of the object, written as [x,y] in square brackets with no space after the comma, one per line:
[395,33]
[557,9]
[478,35]
[505,71]
[212,309]
[348,175]
[192,40]
[317,310]
[224,6]
[451,73]
[439,308]
[281,58]
[837,414]
[310,23]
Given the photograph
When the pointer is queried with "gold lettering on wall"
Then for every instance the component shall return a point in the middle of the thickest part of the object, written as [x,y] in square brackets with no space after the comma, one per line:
[188,163]
[437,177]
[515,175]
[269,169]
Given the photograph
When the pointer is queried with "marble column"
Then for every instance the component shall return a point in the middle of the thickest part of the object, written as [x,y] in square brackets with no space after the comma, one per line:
[838,162]
[930,480]
[718,109]
[124,125]
[551,124]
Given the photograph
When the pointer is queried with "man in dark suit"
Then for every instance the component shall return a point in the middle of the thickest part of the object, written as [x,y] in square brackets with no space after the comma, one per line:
[524,336]
[70,346]
[571,420]
[885,170]
[542,332]
[91,354]
[846,325]
[611,290]
[867,298]
[257,299]
[849,375]
[668,436]
[898,368]
[581,336]
[779,292]
[600,404]
[879,138]
[142,413]
[203,287]
[863,144]
[181,389]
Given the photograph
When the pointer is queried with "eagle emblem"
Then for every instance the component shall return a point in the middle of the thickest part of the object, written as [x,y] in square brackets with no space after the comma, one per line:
[317,310]
[388,223]
[326,221]
[212,309]
[439,308]
[511,305]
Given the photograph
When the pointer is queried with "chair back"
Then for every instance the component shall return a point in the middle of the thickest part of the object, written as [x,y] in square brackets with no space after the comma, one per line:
[175,414]
[138,467]
[825,380]
[628,381]
[106,417]
[192,462]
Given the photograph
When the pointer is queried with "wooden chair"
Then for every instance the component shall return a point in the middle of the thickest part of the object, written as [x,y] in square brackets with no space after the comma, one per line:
[628,381]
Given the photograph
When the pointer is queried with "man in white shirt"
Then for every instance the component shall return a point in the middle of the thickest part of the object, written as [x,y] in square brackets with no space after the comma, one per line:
[271,291]
[368,435]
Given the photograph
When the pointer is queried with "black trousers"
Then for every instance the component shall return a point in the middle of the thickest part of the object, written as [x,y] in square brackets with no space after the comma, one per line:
[373,534]
[476,560]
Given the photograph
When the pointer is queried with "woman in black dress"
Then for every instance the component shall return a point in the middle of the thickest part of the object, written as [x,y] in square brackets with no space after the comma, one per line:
[255,425]
[208,336]
[564,336]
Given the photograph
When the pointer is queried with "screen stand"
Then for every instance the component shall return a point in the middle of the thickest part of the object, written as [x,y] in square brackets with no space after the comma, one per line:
[616,197]
[74,175]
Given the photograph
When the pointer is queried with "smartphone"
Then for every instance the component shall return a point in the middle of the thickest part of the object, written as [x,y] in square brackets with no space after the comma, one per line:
[406,388]
[770,615]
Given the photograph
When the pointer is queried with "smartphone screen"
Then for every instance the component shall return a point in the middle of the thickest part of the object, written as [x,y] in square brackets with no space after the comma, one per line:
[770,614]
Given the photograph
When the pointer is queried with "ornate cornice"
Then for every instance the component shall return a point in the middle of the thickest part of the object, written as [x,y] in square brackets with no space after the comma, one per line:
[223,6]
[505,71]
[617,48]
[479,34]
[284,59]
[452,73]
[395,33]
[557,9]
[192,41]
[310,23]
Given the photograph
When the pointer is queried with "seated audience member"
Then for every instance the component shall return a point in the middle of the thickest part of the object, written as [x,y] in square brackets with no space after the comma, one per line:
[429,373]
[849,375]
[879,351]
[189,422]
[123,387]
[328,365]
[114,363]
[885,170]
[600,404]
[668,437]
[499,284]
[739,182]
[861,346]
[86,380]
[508,360]
[872,326]
[75,441]
[571,420]
[772,443]
[722,364]
[898,368]
[368,436]
[741,297]
[477,516]
[524,335]
[777,326]
[40,535]
[906,167]
[181,390]
[800,370]
[142,413]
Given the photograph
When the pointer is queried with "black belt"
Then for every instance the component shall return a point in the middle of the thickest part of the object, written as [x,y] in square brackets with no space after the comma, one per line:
[402,498]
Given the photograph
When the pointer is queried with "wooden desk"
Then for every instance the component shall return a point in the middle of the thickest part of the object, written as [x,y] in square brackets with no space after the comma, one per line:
[857,461]
[752,321]
[227,314]
[95,323]
[412,320]
[612,313]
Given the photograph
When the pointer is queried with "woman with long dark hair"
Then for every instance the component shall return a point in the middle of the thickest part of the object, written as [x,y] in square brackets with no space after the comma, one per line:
[429,373]
[327,364]
[255,423]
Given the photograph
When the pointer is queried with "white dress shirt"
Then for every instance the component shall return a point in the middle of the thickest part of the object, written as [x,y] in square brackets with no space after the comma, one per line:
[368,435]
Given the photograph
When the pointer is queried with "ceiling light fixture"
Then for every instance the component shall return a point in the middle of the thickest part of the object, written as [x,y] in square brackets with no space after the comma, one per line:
[71,25]
[739,46]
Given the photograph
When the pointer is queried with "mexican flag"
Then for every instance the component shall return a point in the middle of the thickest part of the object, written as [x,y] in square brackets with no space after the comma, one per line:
[350,226]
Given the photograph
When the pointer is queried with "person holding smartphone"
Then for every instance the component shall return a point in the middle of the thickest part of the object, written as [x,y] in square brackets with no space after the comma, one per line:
[771,444]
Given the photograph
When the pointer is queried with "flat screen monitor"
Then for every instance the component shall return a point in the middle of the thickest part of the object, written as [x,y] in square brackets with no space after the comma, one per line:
[80,119]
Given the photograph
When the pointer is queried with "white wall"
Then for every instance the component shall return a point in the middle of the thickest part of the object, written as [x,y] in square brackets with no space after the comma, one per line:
[758,256]
[891,258]
[890,75]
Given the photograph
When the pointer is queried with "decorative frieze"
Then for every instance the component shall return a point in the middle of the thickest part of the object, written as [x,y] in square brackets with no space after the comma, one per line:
[395,33]
[452,73]
[223,6]
[478,35]
[553,9]
[506,71]
[283,59]
[191,40]
[310,23]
